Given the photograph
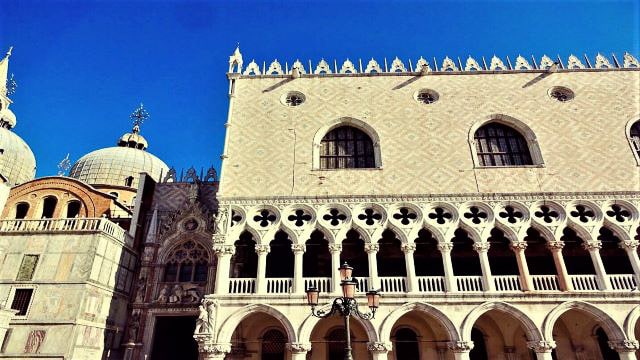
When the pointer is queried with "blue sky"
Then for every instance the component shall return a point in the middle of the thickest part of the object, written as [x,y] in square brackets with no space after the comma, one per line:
[83,66]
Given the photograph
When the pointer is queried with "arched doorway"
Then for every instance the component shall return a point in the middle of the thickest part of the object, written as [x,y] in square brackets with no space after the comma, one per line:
[579,334]
[273,345]
[259,336]
[406,344]
[479,351]
[328,339]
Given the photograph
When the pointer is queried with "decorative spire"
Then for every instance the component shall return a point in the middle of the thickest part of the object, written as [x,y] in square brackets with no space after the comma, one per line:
[64,165]
[235,60]
[4,71]
[138,116]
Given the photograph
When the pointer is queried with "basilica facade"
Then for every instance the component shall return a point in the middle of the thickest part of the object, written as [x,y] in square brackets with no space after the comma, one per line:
[493,203]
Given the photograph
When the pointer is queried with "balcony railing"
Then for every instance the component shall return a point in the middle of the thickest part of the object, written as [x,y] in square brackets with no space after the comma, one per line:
[279,285]
[242,285]
[469,283]
[363,284]
[393,284]
[65,225]
[545,282]
[507,283]
[320,283]
[431,283]
[622,282]
[584,282]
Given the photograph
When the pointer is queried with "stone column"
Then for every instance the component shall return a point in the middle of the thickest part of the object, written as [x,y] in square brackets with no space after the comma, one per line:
[412,280]
[594,251]
[542,349]
[482,248]
[372,250]
[555,246]
[261,278]
[449,278]
[460,349]
[626,349]
[631,246]
[299,350]
[379,349]
[526,281]
[335,250]
[209,350]
[298,281]
[223,253]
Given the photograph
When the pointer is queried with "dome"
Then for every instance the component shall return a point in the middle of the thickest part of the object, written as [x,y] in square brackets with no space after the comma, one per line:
[117,166]
[7,117]
[133,139]
[17,162]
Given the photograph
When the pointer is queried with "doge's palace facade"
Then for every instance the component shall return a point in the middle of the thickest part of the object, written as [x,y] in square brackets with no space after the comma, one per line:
[493,202]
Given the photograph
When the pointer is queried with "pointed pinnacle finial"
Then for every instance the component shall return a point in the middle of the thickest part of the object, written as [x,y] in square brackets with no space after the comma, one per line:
[9,51]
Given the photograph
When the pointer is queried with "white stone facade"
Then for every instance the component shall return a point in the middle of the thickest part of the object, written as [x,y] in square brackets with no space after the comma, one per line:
[579,194]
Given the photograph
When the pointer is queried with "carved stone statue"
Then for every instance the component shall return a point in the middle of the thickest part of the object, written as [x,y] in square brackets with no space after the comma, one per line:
[141,288]
[176,294]
[163,295]
[221,220]
[34,341]
[134,327]
[202,322]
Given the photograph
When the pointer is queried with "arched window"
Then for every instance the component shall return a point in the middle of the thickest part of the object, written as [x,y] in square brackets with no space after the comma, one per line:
[634,137]
[21,210]
[500,145]
[128,181]
[273,345]
[346,147]
[73,209]
[49,207]
[189,262]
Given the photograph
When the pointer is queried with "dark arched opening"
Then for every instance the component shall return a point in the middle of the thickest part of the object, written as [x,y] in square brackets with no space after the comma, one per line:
[280,258]
[73,209]
[273,345]
[406,345]
[576,257]
[479,351]
[390,258]
[353,253]
[500,145]
[346,147]
[615,259]
[427,257]
[501,258]
[49,207]
[539,257]
[316,261]
[603,343]
[464,258]
[244,263]
[21,210]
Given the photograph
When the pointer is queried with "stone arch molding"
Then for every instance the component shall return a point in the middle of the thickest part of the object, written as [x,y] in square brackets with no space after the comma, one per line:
[627,134]
[530,328]
[630,323]
[310,322]
[518,125]
[346,121]
[613,330]
[230,324]
[394,316]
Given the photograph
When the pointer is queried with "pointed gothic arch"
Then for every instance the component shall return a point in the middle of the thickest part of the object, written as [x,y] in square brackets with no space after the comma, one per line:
[531,330]
[613,330]
[230,324]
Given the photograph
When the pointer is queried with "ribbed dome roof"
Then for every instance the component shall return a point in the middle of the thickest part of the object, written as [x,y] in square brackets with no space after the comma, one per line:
[17,162]
[118,166]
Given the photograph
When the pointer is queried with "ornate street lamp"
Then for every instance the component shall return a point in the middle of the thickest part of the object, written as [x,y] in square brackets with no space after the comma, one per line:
[346,305]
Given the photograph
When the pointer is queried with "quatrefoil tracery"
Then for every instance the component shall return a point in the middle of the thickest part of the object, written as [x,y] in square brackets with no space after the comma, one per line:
[265,218]
[370,216]
[299,218]
[476,215]
[440,215]
[335,217]
[547,214]
[405,215]
[619,213]
[583,213]
[511,214]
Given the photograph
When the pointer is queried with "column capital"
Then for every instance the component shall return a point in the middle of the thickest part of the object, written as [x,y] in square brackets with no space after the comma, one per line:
[481,247]
[299,348]
[556,245]
[408,248]
[219,238]
[445,246]
[263,249]
[593,245]
[371,248]
[629,244]
[298,248]
[333,248]
[210,349]
[519,245]
[222,250]
[460,346]
[379,346]
[625,345]
[541,346]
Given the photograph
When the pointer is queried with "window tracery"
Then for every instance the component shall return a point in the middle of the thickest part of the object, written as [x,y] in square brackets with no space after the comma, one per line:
[188,262]
[500,145]
[346,147]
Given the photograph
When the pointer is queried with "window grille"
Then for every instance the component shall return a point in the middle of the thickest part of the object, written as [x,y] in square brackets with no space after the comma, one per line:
[346,147]
[500,145]
[21,300]
[189,262]
[635,137]
[27,268]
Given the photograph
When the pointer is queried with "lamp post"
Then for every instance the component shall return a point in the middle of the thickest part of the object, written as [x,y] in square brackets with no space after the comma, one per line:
[346,305]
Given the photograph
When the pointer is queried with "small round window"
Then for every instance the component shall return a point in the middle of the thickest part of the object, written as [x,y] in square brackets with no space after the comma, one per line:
[561,94]
[426,96]
[294,98]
